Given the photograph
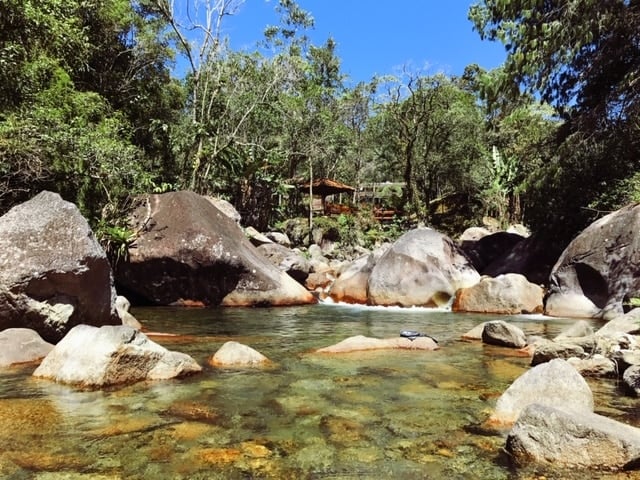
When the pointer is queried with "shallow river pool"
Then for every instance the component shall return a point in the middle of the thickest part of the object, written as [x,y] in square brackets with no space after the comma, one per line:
[374,415]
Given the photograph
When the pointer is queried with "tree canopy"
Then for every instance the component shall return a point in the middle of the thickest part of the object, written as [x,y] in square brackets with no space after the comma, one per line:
[90,106]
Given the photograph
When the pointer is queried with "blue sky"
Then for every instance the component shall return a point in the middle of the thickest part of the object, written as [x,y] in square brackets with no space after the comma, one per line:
[379,37]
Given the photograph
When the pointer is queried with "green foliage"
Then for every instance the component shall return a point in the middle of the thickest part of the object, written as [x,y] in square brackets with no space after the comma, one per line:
[581,57]
[116,241]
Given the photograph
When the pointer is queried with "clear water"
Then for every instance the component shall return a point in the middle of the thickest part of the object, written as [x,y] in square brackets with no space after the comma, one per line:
[374,415]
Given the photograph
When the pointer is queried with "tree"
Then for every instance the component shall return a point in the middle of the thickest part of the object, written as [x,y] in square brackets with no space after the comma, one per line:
[583,58]
[73,82]
[429,133]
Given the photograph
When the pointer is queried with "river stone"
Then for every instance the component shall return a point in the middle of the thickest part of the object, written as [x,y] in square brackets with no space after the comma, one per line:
[21,345]
[555,383]
[508,294]
[422,268]
[631,379]
[189,253]
[117,355]
[627,323]
[594,366]
[53,272]
[351,284]
[475,333]
[600,265]
[503,334]
[573,438]
[234,354]
[547,350]
[581,328]
[361,343]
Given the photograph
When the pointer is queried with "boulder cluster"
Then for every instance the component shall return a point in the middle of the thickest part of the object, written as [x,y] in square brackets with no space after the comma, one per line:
[548,412]
[59,293]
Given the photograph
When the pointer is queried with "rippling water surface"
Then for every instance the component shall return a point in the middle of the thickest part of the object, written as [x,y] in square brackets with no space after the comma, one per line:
[374,415]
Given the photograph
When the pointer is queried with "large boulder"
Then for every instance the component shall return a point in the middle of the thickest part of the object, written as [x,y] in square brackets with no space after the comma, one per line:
[555,383]
[189,253]
[574,439]
[599,269]
[532,257]
[117,355]
[352,283]
[53,272]
[22,345]
[488,248]
[508,294]
[422,268]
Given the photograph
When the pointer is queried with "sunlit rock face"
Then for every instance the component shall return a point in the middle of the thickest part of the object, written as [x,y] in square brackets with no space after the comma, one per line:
[573,438]
[599,269]
[53,272]
[555,383]
[422,268]
[189,253]
[118,355]
[508,294]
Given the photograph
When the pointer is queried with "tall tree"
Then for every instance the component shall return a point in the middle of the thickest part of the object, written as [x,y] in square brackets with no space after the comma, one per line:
[429,135]
[583,58]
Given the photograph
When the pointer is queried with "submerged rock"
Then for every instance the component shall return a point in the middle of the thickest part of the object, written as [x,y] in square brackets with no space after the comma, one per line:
[111,355]
[360,343]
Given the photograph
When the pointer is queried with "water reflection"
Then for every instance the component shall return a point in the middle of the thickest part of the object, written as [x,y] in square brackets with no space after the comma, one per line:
[388,414]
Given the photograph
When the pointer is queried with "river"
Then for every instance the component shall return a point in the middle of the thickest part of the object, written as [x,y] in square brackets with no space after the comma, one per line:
[373,415]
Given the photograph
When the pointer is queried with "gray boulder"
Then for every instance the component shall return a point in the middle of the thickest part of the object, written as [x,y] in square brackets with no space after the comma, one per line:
[53,272]
[22,345]
[351,286]
[631,379]
[279,238]
[547,350]
[626,323]
[289,261]
[573,438]
[117,355]
[189,253]
[508,294]
[594,366]
[532,257]
[555,383]
[503,334]
[422,268]
[599,269]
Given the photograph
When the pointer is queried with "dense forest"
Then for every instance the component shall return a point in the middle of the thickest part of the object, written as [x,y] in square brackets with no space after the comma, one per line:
[90,108]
